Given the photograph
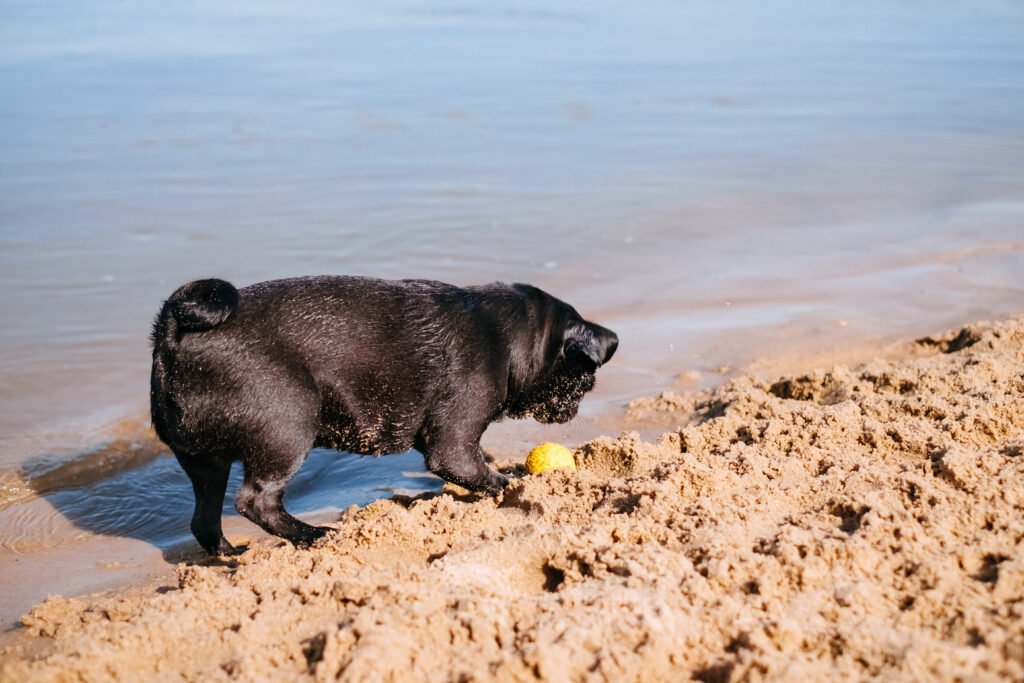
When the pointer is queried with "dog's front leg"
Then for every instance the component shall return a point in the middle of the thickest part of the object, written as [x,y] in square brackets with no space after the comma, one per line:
[461,461]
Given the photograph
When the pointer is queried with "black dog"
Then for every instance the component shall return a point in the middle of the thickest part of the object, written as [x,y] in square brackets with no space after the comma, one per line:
[265,373]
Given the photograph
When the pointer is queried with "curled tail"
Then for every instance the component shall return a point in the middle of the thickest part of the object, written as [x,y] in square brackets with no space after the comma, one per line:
[197,306]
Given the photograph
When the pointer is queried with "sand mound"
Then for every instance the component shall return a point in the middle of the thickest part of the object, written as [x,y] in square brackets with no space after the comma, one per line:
[845,523]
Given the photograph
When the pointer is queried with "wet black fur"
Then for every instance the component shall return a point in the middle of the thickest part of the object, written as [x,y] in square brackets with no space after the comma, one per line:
[265,373]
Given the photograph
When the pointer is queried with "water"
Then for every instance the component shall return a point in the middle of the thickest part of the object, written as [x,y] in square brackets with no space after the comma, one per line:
[155,503]
[716,181]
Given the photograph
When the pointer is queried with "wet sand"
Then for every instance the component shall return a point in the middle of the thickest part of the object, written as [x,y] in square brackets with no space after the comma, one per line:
[855,521]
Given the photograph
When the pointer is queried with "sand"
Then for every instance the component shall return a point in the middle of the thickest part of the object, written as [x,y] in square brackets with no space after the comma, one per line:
[847,523]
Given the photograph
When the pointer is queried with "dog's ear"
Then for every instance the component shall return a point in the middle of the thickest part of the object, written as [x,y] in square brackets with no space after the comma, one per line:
[590,345]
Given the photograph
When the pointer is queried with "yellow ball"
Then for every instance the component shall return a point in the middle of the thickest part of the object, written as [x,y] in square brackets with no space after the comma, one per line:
[549,456]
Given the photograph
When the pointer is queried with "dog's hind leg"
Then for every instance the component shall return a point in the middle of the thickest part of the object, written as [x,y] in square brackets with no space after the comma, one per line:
[259,499]
[209,481]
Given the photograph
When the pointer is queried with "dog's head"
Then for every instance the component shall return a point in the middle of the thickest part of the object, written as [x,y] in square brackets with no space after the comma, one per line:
[554,363]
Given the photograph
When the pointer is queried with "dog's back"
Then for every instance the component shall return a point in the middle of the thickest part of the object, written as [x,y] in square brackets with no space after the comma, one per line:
[365,352]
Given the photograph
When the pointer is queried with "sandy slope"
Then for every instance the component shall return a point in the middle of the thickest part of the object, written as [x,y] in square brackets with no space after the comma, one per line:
[847,524]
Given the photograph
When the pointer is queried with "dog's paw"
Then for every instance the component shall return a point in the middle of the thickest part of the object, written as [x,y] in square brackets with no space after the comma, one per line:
[225,549]
[497,483]
[310,535]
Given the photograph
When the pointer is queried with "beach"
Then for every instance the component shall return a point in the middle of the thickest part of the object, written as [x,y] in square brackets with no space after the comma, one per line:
[846,522]
[774,205]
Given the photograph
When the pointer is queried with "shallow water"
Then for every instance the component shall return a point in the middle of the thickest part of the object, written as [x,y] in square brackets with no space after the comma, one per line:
[154,503]
[716,181]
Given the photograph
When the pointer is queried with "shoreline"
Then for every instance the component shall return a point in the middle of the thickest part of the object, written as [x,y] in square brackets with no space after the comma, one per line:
[778,522]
